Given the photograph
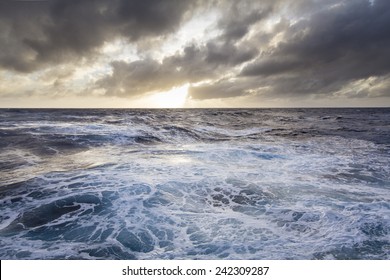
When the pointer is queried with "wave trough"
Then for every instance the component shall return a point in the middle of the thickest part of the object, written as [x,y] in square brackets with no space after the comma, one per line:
[195,184]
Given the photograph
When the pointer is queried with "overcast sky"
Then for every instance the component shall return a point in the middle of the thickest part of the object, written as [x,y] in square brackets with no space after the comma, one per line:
[179,53]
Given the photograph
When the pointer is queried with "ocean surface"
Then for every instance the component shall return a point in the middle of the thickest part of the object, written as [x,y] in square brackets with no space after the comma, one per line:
[195,184]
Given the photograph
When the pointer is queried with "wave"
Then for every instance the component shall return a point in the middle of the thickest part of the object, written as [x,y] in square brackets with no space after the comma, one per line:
[203,184]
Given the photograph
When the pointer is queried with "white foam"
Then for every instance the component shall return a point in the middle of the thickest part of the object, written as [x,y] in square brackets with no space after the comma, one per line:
[242,199]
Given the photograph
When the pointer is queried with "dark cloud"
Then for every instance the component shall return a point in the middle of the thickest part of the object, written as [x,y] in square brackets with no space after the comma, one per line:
[272,66]
[223,88]
[194,64]
[207,60]
[335,46]
[270,48]
[37,33]
[239,16]
[150,75]
[138,77]
[222,53]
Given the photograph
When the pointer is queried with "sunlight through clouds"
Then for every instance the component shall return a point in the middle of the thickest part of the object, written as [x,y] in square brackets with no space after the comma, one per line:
[225,53]
[174,98]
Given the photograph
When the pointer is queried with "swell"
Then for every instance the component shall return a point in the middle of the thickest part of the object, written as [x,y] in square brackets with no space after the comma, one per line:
[205,184]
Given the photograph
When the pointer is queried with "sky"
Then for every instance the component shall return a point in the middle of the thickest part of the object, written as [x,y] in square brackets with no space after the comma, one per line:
[194,53]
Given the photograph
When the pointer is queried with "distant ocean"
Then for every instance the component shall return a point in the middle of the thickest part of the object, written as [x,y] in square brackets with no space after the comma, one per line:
[195,184]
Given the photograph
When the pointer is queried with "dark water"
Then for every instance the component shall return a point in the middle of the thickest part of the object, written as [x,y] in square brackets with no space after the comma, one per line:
[195,184]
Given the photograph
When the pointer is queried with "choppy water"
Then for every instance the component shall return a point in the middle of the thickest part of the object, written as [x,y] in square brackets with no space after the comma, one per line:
[195,184]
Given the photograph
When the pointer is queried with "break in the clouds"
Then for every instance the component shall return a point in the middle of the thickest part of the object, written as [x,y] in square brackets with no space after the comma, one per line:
[243,52]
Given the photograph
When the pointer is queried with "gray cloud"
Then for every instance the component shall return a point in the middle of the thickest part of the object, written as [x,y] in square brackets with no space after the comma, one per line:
[240,15]
[335,44]
[150,75]
[207,60]
[194,64]
[227,54]
[270,48]
[223,88]
[38,33]
[272,66]
[333,47]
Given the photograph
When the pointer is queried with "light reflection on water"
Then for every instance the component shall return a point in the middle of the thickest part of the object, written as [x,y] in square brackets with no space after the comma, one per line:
[235,184]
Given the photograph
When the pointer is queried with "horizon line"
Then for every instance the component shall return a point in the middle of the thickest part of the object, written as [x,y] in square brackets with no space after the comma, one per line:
[187,108]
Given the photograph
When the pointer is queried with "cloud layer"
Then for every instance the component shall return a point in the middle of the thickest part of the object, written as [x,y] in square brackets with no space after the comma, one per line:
[264,49]
[41,33]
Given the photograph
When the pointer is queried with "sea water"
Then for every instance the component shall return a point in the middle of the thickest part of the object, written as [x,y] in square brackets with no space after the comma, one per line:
[195,184]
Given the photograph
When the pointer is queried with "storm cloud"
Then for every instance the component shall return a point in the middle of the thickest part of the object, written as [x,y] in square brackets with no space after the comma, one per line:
[194,64]
[335,46]
[338,48]
[41,33]
[264,49]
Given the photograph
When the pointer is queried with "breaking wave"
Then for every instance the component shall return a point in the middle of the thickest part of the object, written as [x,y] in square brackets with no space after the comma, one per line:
[195,184]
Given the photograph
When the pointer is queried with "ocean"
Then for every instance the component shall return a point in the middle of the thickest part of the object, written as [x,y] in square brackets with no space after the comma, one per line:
[195,184]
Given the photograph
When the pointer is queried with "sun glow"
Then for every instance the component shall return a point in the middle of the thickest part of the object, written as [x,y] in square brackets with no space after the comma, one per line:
[174,98]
